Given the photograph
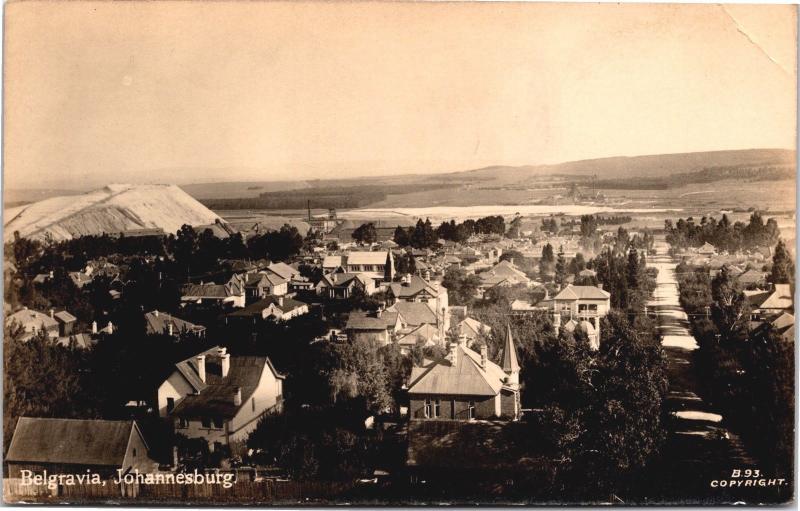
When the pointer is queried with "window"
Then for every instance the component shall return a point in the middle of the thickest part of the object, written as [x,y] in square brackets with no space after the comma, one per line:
[437,408]
[183,423]
[428,410]
[472,409]
[218,422]
[206,422]
[170,404]
[134,452]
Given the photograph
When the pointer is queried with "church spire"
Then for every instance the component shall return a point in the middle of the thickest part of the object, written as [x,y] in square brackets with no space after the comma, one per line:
[510,364]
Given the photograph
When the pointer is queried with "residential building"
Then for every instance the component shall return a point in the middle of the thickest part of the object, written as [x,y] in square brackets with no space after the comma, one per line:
[379,327]
[466,385]
[472,330]
[231,293]
[263,284]
[281,308]
[34,322]
[342,285]
[75,446]
[220,397]
[157,322]
[413,288]
[764,304]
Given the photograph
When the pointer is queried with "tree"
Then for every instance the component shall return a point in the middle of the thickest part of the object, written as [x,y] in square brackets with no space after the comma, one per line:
[461,288]
[782,266]
[561,270]
[633,271]
[401,237]
[546,263]
[366,234]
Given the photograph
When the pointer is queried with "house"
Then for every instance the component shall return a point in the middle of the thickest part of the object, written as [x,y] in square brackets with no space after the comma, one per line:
[282,308]
[341,286]
[413,288]
[262,284]
[66,322]
[157,322]
[583,326]
[472,330]
[417,313]
[34,322]
[581,302]
[423,335]
[783,324]
[75,446]
[283,271]
[767,303]
[80,278]
[230,293]
[331,263]
[466,385]
[503,274]
[379,326]
[220,397]
[707,249]
[752,278]
[378,265]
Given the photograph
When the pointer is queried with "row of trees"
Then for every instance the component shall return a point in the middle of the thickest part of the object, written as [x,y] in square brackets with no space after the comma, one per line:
[722,234]
[745,369]
[424,235]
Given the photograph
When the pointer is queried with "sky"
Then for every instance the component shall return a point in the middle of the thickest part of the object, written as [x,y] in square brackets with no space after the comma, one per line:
[182,92]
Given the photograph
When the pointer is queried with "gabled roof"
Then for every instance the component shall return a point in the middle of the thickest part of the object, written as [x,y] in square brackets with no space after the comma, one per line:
[215,396]
[369,321]
[205,291]
[582,293]
[415,313]
[158,323]
[283,270]
[332,261]
[472,327]
[464,378]
[64,317]
[423,333]
[413,287]
[70,441]
[780,298]
[28,316]
[256,309]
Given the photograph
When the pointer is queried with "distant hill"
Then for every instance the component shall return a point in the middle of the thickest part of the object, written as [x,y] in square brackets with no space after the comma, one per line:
[655,165]
[112,209]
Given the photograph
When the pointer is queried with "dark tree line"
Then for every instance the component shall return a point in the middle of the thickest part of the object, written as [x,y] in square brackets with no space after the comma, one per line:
[423,234]
[746,370]
[722,234]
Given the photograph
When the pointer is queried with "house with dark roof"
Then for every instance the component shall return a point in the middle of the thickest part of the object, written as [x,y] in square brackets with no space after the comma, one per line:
[378,327]
[282,308]
[73,446]
[157,323]
[466,385]
[341,286]
[413,288]
[220,397]
[503,274]
[764,304]
[230,293]
[262,284]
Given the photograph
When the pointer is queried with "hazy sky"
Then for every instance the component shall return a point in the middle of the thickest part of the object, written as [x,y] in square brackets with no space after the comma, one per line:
[100,92]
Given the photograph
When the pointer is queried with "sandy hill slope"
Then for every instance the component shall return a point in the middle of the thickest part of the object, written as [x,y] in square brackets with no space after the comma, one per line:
[112,209]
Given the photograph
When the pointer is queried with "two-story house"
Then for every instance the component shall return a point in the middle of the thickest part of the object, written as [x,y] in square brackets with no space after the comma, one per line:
[466,385]
[262,284]
[579,303]
[220,397]
[282,308]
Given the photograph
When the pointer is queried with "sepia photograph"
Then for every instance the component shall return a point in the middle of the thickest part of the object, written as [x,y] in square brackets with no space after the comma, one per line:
[326,253]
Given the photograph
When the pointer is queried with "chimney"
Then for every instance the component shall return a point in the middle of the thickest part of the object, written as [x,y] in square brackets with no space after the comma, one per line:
[51,274]
[224,361]
[453,353]
[600,285]
[237,396]
[52,313]
[110,327]
[155,313]
[556,322]
[484,356]
[170,329]
[280,301]
[201,367]
[94,327]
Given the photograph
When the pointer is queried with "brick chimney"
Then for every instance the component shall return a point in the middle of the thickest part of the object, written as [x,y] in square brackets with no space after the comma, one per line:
[52,313]
[155,313]
[237,396]
[201,367]
[453,355]
[280,301]
[110,327]
[94,327]
[225,361]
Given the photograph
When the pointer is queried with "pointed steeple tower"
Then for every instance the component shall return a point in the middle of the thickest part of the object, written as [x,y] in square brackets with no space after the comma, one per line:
[510,364]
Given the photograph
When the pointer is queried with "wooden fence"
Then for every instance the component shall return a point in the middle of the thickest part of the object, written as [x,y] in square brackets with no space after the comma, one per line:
[242,491]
